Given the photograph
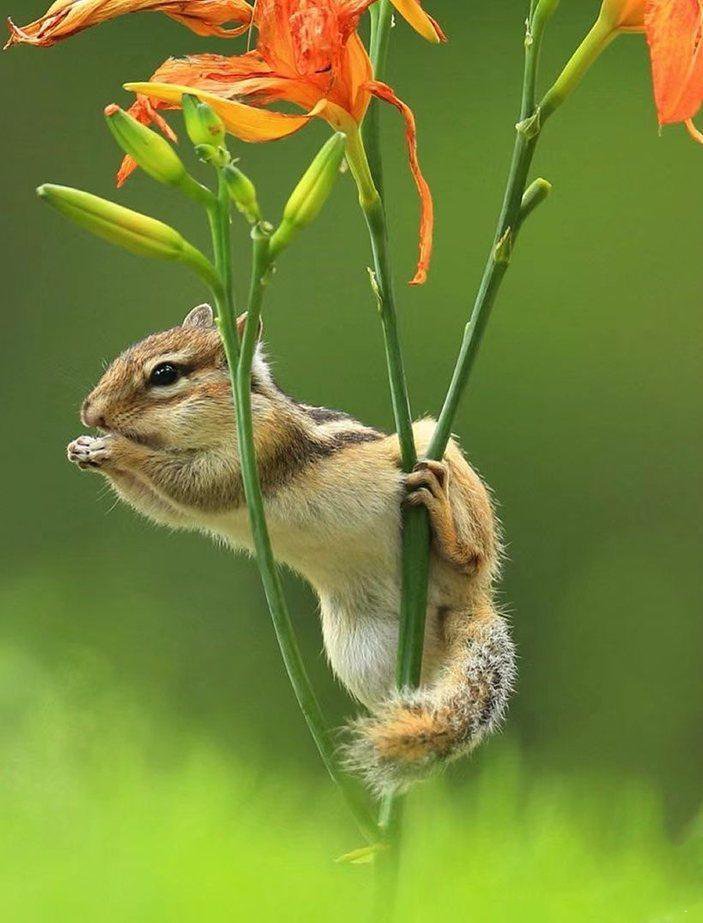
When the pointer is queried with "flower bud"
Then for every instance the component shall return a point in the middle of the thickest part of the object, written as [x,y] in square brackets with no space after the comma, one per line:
[242,192]
[151,152]
[131,230]
[203,124]
[312,191]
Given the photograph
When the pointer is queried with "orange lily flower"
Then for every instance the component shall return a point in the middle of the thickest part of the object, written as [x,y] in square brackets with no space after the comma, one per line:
[67,17]
[308,54]
[674,30]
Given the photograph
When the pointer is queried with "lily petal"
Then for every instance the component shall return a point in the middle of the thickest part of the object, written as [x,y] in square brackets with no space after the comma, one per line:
[384,92]
[246,122]
[413,13]
[675,36]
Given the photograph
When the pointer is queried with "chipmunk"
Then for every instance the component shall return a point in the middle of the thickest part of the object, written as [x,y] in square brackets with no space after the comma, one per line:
[333,490]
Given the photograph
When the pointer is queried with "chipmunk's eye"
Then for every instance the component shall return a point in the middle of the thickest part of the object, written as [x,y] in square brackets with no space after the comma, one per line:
[166,373]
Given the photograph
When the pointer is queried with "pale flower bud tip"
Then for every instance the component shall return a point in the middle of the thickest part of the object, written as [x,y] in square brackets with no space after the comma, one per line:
[111,110]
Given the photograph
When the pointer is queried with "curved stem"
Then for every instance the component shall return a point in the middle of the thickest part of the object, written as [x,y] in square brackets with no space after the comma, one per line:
[239,358]
[596,41]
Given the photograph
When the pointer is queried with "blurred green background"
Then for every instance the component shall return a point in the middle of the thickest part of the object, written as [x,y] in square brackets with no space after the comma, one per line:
[154,764]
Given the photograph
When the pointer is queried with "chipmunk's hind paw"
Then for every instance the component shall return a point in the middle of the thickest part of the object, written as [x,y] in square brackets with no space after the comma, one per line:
[427,484]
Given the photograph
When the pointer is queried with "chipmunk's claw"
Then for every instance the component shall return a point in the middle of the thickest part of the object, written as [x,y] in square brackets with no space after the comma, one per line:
[89,451]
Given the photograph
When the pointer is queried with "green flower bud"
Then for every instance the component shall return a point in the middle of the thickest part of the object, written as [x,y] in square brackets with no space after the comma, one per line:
[203,124]
[151,152]
[131,230]
[242,192]
[311,193]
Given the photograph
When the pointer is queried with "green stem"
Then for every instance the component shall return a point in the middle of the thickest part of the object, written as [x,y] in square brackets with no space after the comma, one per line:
[527,135]
[415,528]
[590,49]
[240,357]
[415,521]
[381,20]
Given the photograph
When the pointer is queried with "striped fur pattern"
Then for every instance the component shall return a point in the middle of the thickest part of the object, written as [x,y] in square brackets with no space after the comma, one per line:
[333,492]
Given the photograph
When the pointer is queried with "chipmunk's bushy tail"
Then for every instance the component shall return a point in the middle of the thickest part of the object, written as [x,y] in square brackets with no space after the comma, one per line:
[417,731]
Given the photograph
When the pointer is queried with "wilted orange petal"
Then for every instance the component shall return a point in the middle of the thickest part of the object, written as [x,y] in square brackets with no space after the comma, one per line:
[127,168]
[426,206]
[675,36]
[233,77]
[67,17]
[246,122]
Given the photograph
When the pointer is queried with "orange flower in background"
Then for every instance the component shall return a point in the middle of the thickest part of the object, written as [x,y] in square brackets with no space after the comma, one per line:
[309,54]
[67,17]
[675,35]
[674,30]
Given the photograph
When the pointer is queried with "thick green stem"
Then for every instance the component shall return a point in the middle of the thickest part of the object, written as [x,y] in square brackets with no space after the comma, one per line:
[240,357]
[415,521]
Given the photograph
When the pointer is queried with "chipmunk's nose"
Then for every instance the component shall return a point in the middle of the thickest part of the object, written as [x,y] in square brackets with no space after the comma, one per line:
[91,413]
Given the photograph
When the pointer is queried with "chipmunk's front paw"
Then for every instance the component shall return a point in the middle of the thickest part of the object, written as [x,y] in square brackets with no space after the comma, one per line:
[89,451]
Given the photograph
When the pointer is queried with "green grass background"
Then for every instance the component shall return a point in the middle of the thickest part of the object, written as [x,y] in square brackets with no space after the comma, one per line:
[154,765]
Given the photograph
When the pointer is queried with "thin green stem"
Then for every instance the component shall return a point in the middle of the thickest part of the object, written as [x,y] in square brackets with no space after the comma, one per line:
[240,357]
[381,20]
[527,135]
[382,281]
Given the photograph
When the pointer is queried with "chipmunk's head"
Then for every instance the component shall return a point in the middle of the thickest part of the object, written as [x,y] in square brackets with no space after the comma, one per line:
[172,388]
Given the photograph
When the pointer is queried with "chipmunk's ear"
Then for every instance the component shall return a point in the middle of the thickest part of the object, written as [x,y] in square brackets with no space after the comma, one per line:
[241,321]
[201,316]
